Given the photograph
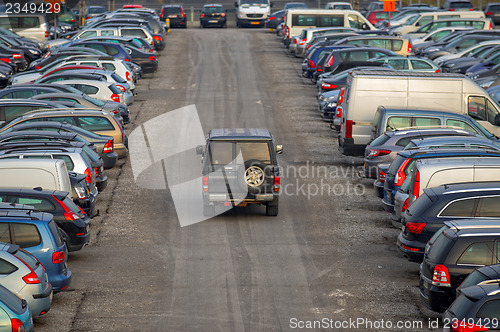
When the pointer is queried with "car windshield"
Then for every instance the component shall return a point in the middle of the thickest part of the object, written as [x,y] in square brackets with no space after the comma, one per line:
[254,2]
[411,19]
[94,101]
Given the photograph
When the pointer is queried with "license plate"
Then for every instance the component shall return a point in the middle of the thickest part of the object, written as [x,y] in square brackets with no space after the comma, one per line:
[255,23]
[172,16]
[213,21]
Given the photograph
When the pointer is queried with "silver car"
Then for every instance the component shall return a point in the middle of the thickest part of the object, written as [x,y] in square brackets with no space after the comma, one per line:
[23,275]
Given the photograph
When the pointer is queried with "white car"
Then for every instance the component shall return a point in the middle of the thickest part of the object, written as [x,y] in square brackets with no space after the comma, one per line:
[98,89]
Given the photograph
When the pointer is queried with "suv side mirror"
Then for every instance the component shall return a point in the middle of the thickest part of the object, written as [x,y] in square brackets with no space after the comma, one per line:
[279,149]
[199,149]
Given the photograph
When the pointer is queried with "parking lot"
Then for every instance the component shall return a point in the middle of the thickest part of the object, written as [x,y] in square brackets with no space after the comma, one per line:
[329,256]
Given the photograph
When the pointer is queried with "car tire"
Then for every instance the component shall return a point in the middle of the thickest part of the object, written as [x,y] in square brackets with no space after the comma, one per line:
[254,177]
[201,26]
[208,210]
[272,208]
[28,62]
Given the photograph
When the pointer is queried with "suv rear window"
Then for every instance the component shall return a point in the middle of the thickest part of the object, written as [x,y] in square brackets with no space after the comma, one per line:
[26,235]
[172,10]
[221,153]
[473,279]
[380,140]
[476,254]
[440,245]
[396,163]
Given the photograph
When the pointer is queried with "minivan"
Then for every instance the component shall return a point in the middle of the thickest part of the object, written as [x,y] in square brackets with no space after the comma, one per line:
[33,26]
[49,174]
[422,19]
[393,119]
[298,19]
[366,90]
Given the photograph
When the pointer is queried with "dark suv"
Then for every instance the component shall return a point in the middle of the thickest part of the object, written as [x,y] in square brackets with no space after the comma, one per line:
[176,15]
[448,202]
[213,15]
[240,168]
[456,250]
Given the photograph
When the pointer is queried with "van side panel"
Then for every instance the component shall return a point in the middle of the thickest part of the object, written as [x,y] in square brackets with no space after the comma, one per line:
[446,176]
[442,95]
[486,173]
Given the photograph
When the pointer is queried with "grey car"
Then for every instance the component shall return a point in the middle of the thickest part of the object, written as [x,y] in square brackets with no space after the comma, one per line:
[385,147]
[23,275]
[450,142]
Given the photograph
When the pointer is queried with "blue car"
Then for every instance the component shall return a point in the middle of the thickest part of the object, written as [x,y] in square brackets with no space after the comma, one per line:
[14,313]
[37,233]
[115,50]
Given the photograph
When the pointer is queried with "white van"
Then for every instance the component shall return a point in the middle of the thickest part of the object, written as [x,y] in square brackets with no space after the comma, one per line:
[33,26]
[366,90]
[252,12]
[49,174]
[297,20]
[434,172]
[422,19]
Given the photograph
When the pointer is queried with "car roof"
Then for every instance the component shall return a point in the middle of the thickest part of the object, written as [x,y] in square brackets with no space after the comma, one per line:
[436,153]
[485,188]
[412,111]
[239,133]
[424,131]
[444,139]
[212,5]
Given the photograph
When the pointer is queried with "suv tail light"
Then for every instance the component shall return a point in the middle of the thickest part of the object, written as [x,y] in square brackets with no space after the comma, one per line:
[68,214]
[182,12]
[108,147]
[46,34]
[303,41]
[127,76]
[415,227]
[405,205]
[6,60]
[330,61]
[376,153]
[348,129]
[295,40]
[339,112]
[416,185]
[89,175]
[328,86]
[464,326]
[341,97]
[451,9]
[409,47]
[491,27]
[152,58]
[157,38]
[121,87]
[58,257]
[310,64]
[441,277]
[17,325]
[276,187]
[438,70]
[381,176]
[401,175]
[31,278]
[488,13]
[205,183]
[115,97]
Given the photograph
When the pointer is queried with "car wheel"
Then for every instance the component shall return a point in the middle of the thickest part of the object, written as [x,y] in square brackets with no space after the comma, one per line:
[255,176]
[208,210]
[272,208]
[26,66]
[201,26]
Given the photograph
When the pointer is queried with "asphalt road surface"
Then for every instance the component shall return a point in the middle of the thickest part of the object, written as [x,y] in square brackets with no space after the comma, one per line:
[329,256]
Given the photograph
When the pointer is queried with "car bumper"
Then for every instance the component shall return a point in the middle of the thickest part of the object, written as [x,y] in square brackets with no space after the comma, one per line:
[253,22]
[121,150]
[128,98]
[61,281]
[379,188]
[436,298]
[348,148]
[79,241]
[411,251]
[213,21]
[88,205]
[148,66]
[388,206]
[102,182]
[40,303]
[109,159]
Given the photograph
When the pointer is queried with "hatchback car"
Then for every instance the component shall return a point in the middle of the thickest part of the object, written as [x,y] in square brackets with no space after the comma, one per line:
[458,5]
[492,11]
[426,215]
[37,233]
[456,250]
[14,312]
[481,275]
[176,15]
[213,15]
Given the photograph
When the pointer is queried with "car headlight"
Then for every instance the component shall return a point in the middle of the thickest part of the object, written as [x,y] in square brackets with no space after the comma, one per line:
[80,191]
[332,104]
[36,52]
[2,75]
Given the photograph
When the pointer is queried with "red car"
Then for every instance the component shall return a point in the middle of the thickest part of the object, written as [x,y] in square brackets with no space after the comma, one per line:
[378,15]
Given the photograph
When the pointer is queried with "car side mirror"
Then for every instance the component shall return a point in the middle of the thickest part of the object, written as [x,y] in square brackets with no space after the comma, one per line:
[199,149]
[279,149]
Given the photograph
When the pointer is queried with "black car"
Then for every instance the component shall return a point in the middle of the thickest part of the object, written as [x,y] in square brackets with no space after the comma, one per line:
[213,16]
[275,19]
[461,64]
[426,215]
[456,250]
[252,179]
[481,275]
[31,53]
[16,55]
[74,224]
[176,15]
[492,11]
[476,309]
[458,45]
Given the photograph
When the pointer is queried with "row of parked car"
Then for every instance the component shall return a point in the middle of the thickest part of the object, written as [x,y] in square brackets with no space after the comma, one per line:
[62,124]
[412,104]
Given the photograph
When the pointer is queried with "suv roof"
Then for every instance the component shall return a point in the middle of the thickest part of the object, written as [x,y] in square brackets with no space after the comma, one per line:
[239,133]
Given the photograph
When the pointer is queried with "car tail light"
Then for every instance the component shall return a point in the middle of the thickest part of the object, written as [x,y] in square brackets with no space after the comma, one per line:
[310,64]
[330,61]
[328,86]
[17,56]
[408,248]
[416,185]
[415,227]
[276,183]
[108,147]
[381,176]
[38,67]
[451,10]
[17,325]
[441,277]
[157,38]
[341,96]
[319,69]
[409,47]
[376,153]
[308,46]
[472,9]
[31,278]
[465,326]
[295,40]
[89,175]
[127,76]
[405,205]
[68,214]
[58,257]
[202,15]
[339,112]
[303,41]
[182,12]
[401,175]
[115,97]
[205,183]
[348,129]
[46,34]
[126,59]
[438,70]
[152,58]
[7,60]
[121,87]
[270,18]
[287,32]
[96,169]
[488,13]
[491,27]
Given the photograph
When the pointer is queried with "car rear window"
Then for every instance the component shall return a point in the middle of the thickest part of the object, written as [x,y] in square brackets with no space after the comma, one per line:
[6,267]
[114,89]
[459,208]
[26,235]
[95,123]
[420,205]
[118,78]
[172,10]
[27,258]
[55,233]
[473,279]
[11,301]
[380,140]
[439,245]
[461,306]
[396,163]
[40,204]
[71,205]
[213,9]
